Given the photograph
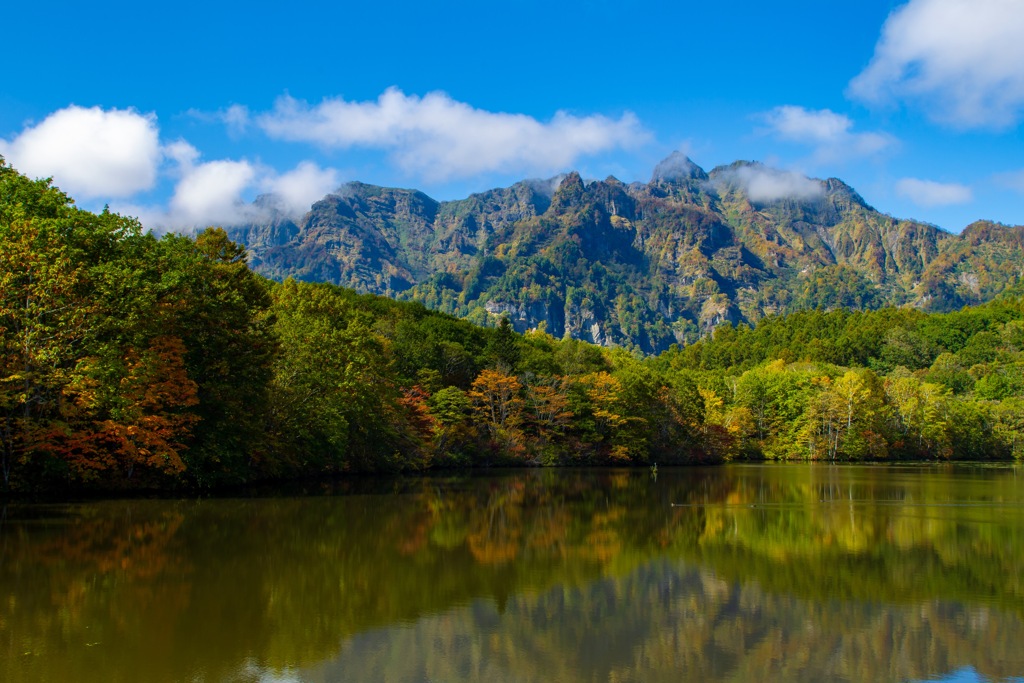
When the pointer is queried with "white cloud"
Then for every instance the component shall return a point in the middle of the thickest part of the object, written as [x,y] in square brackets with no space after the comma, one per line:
[114,154]
[152,217]
[211,193]
[438,137]
[299,188]
[763,184]
[236,117]
[803,125]
[931,193]
[182,153]
[90,152]
[1013,180]
[828,132]
[215,192]
[959,59]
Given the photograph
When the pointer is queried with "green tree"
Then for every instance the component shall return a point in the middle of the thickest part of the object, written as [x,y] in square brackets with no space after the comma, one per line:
[334,403]
[221,310]
[451,409]
[503,350]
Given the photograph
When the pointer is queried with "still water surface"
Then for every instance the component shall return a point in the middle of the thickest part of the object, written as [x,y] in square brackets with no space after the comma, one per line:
[736,573]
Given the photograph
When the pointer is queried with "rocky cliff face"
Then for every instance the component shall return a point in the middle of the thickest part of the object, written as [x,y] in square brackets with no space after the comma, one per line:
[642,265]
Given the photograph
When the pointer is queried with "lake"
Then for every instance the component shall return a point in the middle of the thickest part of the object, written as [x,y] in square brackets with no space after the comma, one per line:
[733,573]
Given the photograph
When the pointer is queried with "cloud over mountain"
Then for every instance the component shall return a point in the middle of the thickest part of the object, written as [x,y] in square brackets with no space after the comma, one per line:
[764,184]
[298,188]
[211,192]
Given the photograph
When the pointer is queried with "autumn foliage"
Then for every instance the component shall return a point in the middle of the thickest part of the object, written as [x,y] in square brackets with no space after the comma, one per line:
[131,361]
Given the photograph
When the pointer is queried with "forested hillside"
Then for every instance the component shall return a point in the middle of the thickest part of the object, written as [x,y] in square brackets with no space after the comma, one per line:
[131,361]
[642,265]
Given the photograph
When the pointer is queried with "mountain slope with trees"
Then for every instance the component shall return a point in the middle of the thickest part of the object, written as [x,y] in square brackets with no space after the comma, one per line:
[643,265]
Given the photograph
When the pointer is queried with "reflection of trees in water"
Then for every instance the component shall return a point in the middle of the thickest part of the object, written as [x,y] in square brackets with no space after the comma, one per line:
[873,533]
[280,582]
[495,535]
[76,588]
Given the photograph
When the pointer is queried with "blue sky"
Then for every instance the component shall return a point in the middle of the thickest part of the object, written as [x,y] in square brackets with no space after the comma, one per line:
[182,115]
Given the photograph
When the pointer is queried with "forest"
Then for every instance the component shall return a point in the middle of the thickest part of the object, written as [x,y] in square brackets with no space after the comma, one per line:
[136,362]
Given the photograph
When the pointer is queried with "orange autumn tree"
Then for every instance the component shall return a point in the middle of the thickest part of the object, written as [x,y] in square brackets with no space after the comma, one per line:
[142,424]
[496,402]
[418,422]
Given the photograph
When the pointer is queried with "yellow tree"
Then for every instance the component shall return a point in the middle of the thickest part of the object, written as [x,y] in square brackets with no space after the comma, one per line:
[861,398]
[919,413]
[721,430]
[604,393]
[612,424]
[842,416]
[548,405]
[825,424]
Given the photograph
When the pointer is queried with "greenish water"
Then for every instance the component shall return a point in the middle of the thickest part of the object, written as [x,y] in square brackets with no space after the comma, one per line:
[735,573]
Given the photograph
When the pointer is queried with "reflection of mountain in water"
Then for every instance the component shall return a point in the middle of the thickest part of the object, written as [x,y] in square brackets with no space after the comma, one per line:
[867,573]
[670,622]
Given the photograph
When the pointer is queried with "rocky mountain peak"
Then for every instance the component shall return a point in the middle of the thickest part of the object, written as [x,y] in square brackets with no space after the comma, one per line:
[570,191]
[838,190]
[572,182]
[677,167]
[643,265]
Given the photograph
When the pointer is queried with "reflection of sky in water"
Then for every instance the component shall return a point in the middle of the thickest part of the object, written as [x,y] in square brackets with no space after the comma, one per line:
[964,675]
[968,675]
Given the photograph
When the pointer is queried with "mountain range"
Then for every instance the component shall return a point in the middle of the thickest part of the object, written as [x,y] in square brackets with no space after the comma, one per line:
[640,265]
